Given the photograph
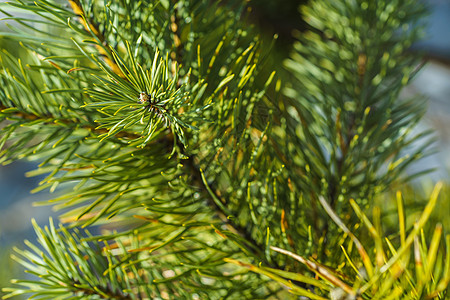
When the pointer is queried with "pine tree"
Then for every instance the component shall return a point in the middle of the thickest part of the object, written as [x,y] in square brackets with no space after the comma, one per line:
[185,168]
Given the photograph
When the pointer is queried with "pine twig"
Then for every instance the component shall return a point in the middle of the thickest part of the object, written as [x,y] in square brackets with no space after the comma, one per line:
[92,27]
[105,293]
[319,269]
[175,28]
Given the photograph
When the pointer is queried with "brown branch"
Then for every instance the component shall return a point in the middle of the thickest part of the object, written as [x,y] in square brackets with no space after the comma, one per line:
[106,293]
[175,28]
[318,269]
[93,28]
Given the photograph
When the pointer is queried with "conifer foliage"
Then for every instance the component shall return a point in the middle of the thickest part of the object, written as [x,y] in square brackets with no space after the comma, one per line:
[185,168]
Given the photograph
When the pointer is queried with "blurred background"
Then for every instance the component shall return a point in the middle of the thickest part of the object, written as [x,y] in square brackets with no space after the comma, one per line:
[433,82]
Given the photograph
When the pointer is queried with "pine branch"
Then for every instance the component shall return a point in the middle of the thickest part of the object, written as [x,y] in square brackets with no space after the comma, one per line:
[346,98]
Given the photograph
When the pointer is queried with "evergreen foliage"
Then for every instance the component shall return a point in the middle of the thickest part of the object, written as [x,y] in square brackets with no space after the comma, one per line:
[184,168]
